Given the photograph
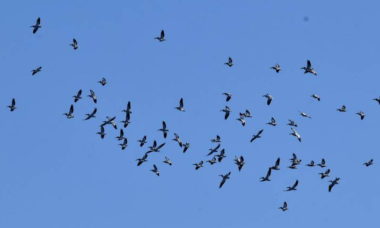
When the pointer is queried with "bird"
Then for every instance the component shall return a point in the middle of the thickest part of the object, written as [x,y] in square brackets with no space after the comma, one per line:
[325,174]
[293,166]
[315,96]
[78,96]
[69,114]
[242,121]
[168,161]
[295,159]
[226,111]
[164,129]
[229,62]
[36,70]
[342,109]
[333,183]
[368,163]
[37,25]
[185,147]
[142,141]
[124,144]
[127,119]
[213,150]
[144,158]
[246,114]
[103,81]
[228,96]
[277,68]
[110,121]
[272,122]
[128,109]
[225,177]
[377,99]
[121,135]
[12,106]
[311,164]
[155,170]
[304,114]
[161,38]
[284,206]
[212,161]
[101,132]
[221,156]
[309,68]
[269,98]
[93,96]
[74,44]
[91,115]
[292,123]
[177,139]
[217,139]
[292,188]
[295,134]
[257,135]
[266,178]
[276,165]
[239,161]
[198,165]
[361,114]
[155,148]
[180,107]
[323,163]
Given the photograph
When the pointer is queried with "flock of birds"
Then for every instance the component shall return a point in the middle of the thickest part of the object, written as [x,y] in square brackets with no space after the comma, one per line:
[217,154]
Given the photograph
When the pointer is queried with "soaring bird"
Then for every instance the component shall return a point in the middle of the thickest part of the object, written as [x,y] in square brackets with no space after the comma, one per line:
[74,44]
[277,68]
[295,134]
[181,106]
[276,165]
[325,174]
[361,114]
[127,119]
[155,170]
[333,183]
[242,121]
[272,122]
[295,159]
[128,109]
[342,109]
[69,114]
[121,135]
[266,178]
[78,96]
[36,70]
[124,144]
[323,163]
[111,121]
[12,106]
[311,164]
[292,123]
[91,115]
[269,98]
[246,114]
[304,114]
[212,161]
[213,150]
[93,96]
[368,163]
[257,135]
[315,96]
[37,25]
[168,161]
[226,111]
[142,141]
[229,62]
[284,206]
[228,96]
[292,188]
[103,81]
[144,158]
[309,68]
[185,147]
[101,132]
[239,161]
[155,148]
[221,155]
[164,129]
[178,140]
[217,139]
[161,37]
[224,178]
[198,165]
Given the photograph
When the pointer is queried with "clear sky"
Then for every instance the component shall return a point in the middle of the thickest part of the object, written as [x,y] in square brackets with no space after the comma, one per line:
[58,173]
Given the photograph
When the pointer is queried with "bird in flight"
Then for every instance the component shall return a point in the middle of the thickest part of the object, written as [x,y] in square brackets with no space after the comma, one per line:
[221,155]
[124,144]
[333,183]
[128,109]
[217,139]
[276,68]
[77,97]
[142,141]
[239,161]
[185,147]
[181,106]
[228,96]
[198,165]
[295,134]
[155,148]
[140,161]
[178,140]
[12,106]
[74,44]
[103,81]
[304,114]
[241,120]
[315,96]
[269,98]
[37,25]
[164,129]
[212,161]
[293,187]
[272,122]
[229,62]
[342,109]
[35,71]
[225,177]
[266,178]
[168,161]
[155,170]
[377,99]
[226,111]
[311,164]
[93,96]
[292,123]
[91,115]
[161,38]
[101,132]
[213,150]
[111,121]
[309,68]
[276,165]
[361,114]
[323,163]
[368,163]
[121,135]
[325,174]
[127,119]
[257,135]
[284,206]
[69,114]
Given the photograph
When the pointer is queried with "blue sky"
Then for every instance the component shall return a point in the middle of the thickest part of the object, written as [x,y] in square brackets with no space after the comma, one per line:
[56,172]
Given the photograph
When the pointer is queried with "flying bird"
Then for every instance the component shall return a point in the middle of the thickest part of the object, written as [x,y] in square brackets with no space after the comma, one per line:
[140,161]
[226,111]
[292,123]
[93,96]
[325,174]
[155,170]
[177,139]
[368,163]
[74,44]
[342,109]
[78,96]
[229,62]
[295,134]
[257,135]
[181,106]
[91,115]
[110,121]
[185,147]
[161,38]
[69,114]
[276,165]
[37,25]
[304,114]
[228,96]
[212,161]
[103,81]
[333,183]
[198,165]
[124,144]
[101,132]
[213,150]
[361,114]
[224,179]
[239,161]
[242,121]
[317,97]
[311,164]
[221,156]
[284,206]
[168,161]
[269,98]
[322,164]
[12,106]
[377,99]
[155,148]
[309,68]
[128,109]
[276,68]
[121,135]
[217,139]
[272,122]
[127,119]
[164,129]
[142,141]
[266,178]
[292,188]
[35,71]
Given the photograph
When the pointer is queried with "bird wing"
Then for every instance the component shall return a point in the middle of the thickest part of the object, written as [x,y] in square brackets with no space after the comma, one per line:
[181,103]
[71,109]
[38,21]
[163,125]
[13,102]
[308,64]
[278,162]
